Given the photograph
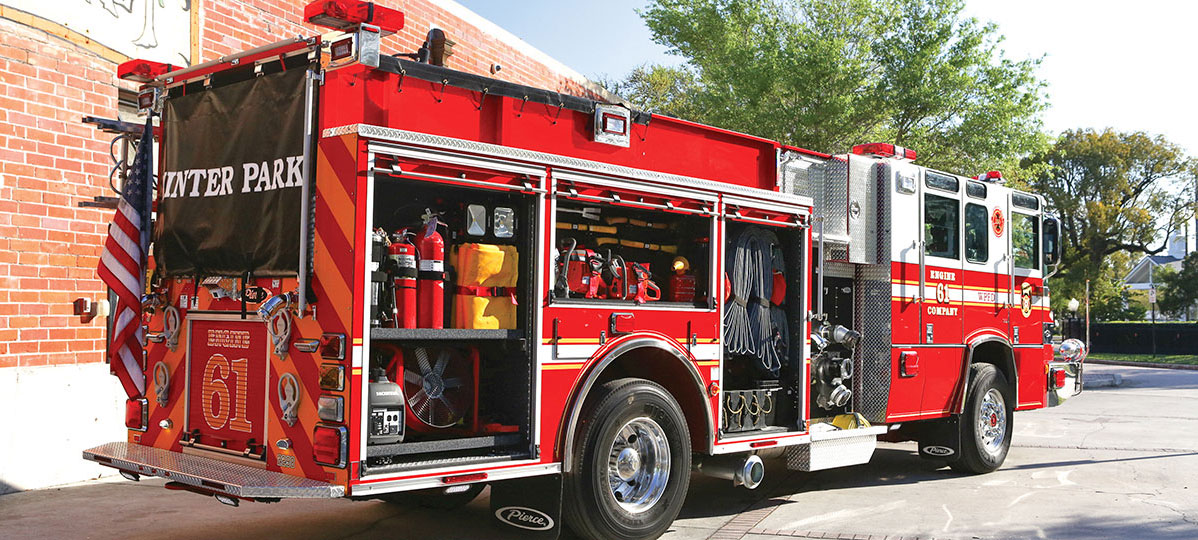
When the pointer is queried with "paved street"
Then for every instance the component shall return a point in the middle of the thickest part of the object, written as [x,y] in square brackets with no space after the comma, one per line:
[1118,461]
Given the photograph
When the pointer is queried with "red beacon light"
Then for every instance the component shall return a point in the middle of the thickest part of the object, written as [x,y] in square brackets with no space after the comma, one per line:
[990,176]
[142,71]
[346,15]
[885,150]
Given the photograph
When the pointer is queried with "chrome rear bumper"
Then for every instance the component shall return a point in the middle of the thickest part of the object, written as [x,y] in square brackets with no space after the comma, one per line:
[210,474]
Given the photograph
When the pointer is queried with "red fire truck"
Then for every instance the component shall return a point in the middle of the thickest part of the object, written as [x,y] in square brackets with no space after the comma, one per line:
[376,277]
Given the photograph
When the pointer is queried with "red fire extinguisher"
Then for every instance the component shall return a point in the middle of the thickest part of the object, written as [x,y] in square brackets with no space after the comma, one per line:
[403,272]
[430,285]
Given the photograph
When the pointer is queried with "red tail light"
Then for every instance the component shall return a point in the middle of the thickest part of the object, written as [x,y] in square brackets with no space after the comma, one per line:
[329,445]
[1058,378]
[137,414]
[345,15]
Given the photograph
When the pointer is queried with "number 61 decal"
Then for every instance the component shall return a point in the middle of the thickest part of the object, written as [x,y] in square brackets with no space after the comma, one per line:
[224,405]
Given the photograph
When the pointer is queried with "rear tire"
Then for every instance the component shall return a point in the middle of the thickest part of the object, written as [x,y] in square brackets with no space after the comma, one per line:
[631,463]
[987,423]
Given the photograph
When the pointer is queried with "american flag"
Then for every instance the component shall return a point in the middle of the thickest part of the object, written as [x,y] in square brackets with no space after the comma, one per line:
[122,269]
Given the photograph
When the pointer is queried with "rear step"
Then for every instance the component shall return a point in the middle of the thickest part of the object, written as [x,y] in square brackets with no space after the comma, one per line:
[834,448]
[219,477]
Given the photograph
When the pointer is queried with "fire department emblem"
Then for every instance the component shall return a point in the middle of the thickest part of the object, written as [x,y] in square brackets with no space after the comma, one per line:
[942,293]
[1025,299]
[997,222]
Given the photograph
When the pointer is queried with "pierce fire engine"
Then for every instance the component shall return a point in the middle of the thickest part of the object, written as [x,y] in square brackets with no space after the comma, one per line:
[375,277]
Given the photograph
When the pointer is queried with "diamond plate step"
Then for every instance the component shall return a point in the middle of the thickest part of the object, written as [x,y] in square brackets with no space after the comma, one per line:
[210,474]
[831,449]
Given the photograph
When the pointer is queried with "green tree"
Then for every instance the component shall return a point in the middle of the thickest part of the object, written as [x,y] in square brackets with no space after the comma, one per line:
[1117,194]
[1179,290]
[829,74]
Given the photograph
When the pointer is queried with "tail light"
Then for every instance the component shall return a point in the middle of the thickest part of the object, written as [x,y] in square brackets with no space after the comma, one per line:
[1058,378]
[332,346]
[330,408]
[330,445]
[137,414]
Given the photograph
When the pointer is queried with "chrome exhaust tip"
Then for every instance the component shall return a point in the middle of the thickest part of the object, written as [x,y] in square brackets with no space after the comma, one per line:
[747,471]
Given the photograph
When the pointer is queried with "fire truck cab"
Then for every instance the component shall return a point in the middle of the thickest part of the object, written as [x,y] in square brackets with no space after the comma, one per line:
[379,278]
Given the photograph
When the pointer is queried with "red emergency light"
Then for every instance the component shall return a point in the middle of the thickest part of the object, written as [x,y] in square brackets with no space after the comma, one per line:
[990,176]
[142,71]
[885,150]
[346,15]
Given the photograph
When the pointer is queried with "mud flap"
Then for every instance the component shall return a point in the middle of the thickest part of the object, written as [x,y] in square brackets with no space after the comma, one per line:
[529,507]
[941,439]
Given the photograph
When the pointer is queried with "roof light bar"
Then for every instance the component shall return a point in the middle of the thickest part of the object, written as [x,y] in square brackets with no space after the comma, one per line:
[346,15]
[885,150]
[990,176]
[142,71]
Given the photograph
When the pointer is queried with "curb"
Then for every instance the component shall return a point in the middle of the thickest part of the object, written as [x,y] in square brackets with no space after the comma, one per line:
[1102,380]
[1187,367]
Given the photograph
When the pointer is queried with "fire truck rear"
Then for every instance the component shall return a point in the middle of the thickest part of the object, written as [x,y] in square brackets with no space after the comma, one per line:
[376,277]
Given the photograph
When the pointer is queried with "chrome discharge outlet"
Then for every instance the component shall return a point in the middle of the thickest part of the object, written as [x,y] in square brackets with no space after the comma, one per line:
[742,470]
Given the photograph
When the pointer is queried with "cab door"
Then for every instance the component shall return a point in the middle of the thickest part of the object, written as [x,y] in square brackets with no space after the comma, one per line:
[943,276]
[1028,304]
[986,293]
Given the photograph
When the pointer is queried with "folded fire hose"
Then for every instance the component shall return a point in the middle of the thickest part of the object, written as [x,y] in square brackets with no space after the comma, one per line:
[752,325]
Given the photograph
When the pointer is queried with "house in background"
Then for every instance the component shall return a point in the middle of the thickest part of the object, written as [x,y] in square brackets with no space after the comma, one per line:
[1144,275]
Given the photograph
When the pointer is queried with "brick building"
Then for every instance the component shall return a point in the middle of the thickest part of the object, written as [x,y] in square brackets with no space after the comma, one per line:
[57,65]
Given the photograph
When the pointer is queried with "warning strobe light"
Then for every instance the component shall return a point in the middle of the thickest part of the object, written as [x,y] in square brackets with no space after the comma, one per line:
[142,71]
[346,15]
[885,150]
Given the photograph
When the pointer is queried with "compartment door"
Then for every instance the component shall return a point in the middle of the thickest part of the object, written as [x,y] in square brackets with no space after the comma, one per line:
[227,363]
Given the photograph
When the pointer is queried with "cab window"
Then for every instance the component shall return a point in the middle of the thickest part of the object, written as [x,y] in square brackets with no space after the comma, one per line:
[942,225]
[977,234]
[1025,241]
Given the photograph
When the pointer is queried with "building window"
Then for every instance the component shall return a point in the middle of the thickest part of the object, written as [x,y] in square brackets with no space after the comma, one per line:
[1025,240]
[942,224]
[977,234]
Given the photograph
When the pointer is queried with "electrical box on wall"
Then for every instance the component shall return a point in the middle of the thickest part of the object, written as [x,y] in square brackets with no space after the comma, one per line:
[612,125]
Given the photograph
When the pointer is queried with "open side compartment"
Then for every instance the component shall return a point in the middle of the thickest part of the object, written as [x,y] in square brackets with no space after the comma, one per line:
[620,247]
[452,385]
[764,393]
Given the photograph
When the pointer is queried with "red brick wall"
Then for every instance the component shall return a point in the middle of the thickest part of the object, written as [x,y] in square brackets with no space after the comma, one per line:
[49,161]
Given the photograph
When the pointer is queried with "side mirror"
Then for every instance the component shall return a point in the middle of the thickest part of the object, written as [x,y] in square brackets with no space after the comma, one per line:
[1052,241]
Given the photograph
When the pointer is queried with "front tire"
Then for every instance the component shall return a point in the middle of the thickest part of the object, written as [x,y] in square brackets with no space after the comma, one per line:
[987,423]
[631,463]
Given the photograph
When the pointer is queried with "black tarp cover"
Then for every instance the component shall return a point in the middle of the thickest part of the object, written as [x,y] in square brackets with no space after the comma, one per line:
[231,184]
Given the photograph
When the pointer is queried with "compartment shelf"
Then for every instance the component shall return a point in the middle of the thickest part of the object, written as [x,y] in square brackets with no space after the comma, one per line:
[443,334]
[445,445]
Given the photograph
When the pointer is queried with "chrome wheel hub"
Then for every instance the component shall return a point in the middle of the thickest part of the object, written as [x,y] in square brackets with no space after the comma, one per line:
[638,465]
[992,422]
[627,464]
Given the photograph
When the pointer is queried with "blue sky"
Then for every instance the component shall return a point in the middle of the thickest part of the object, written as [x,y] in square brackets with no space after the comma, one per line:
[1126,65]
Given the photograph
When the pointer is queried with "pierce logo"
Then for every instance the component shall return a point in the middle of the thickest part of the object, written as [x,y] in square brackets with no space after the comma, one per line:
[524,518]
[938,450]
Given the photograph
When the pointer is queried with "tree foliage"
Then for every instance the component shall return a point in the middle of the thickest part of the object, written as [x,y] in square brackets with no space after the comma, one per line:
[1116,193]
[1179,290]
[829,74]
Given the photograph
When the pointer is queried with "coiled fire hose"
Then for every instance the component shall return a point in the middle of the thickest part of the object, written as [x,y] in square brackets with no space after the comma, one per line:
[749,323]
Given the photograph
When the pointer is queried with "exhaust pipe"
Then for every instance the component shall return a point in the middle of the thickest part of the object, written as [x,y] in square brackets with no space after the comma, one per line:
[742,470]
